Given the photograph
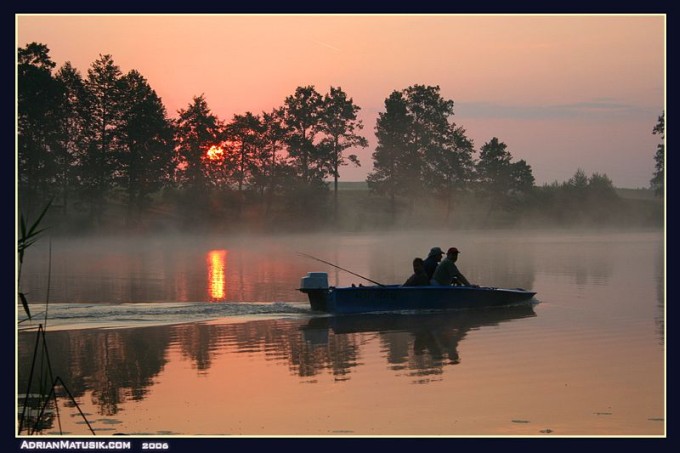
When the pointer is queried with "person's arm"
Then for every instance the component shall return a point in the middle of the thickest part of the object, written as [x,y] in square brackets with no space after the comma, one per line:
[460,277]
[465,281]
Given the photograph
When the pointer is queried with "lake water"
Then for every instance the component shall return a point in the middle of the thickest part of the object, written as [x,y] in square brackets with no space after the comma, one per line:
[196,336]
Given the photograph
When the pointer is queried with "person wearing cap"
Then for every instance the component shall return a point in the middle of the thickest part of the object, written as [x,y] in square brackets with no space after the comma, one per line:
[447,272]
[432,260]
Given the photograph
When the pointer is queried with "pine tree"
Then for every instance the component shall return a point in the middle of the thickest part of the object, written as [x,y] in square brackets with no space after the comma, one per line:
[196,131]
[302,118]
[415,135]
[98,167]
[146,160]
[40,104]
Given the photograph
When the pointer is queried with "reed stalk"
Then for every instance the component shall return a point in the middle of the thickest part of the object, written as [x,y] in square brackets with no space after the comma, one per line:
[41,368]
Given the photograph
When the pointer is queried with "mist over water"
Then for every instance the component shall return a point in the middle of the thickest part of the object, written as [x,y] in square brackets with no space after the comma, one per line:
[267,268]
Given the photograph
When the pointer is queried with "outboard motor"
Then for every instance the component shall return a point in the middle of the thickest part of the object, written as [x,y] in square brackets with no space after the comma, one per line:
[315,285]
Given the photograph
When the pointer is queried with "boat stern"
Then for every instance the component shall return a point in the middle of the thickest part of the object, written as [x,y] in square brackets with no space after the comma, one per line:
[315,285]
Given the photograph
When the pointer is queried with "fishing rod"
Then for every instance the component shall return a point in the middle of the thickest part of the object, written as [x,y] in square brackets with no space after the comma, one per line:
[342,269]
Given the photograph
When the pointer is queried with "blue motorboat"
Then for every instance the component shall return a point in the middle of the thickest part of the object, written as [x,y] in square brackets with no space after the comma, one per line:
[376,298]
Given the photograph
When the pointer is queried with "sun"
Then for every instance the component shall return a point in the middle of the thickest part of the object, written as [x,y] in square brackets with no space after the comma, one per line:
[215,153]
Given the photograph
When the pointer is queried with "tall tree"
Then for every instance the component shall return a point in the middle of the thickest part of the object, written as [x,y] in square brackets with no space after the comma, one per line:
[501,180]
[657,182]
[105,114]
[197,130]
[74,134]
[392,157]
[302,113]
[303,175]
[449,167]
[431,128]
[414,128]
[268,163]
[40,102]
[340,125]
[494,169]
[146,159]
[244,134]
[522,176]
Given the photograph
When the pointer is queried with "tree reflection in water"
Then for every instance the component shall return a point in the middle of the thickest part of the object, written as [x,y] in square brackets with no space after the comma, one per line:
[422,344]
[119,365]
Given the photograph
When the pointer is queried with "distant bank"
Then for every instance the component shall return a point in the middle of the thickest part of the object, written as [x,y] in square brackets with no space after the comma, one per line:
[632,194]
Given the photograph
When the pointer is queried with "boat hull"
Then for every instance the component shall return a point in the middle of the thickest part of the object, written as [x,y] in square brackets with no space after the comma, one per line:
[365,299]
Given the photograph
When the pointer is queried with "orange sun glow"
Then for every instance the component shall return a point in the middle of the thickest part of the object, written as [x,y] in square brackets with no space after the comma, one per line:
[215,153]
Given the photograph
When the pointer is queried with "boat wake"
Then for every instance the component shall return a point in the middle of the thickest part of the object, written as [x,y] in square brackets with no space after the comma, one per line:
[105,316]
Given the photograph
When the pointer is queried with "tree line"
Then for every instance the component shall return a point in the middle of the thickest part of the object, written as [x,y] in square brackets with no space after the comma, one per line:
[104,140]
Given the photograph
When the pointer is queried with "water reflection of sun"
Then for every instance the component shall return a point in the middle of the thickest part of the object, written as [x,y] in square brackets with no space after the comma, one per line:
[217,265]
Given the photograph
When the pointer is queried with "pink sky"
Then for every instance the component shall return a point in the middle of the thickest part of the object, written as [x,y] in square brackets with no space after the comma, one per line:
[562,91]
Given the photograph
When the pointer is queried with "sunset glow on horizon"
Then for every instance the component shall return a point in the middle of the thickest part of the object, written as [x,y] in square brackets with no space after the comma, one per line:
[562,91]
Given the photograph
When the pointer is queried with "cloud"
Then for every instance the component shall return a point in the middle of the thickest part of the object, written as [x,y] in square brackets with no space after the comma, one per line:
[321,43]
[596,108]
